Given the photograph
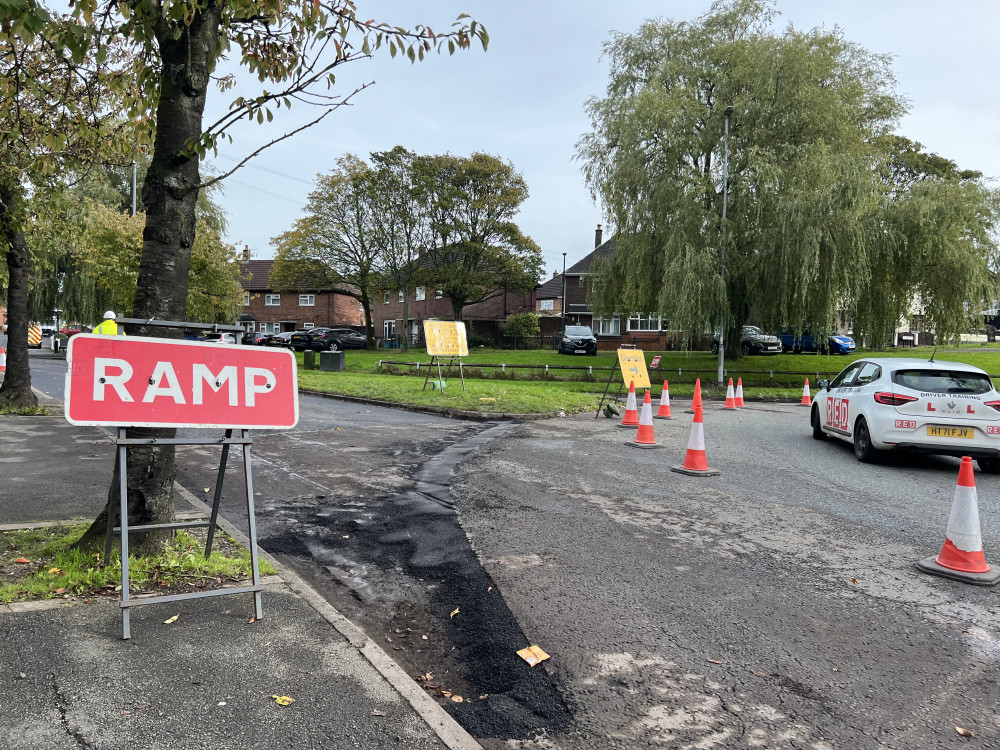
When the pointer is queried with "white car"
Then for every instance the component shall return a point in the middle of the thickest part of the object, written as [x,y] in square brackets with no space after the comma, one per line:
[220,338]
[916,405]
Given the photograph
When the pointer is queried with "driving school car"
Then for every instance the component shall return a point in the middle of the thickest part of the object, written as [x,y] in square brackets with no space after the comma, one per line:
[917,405]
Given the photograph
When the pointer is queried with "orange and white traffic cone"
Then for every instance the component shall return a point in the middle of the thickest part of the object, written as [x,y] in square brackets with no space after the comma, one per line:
[3,359]
[739,394]
[696,462]
[962,556]
[664,411]
[730,396]
[631,418]
[806,398]
[644,437]
[696,400]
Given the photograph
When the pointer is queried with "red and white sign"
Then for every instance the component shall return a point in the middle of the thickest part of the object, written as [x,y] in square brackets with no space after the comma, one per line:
[148,382]
[655,362]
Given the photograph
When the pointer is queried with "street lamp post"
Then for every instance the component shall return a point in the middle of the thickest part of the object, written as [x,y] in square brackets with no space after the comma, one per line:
[722,247]
[564,292]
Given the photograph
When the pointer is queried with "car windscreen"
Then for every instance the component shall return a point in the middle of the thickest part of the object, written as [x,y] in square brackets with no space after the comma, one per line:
[578,331]
[943,381]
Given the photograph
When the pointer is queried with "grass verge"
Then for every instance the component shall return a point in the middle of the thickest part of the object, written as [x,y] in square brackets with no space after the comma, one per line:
[38,564]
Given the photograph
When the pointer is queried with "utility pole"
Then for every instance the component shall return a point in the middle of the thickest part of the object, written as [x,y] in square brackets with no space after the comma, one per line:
[564,305]
[722,248]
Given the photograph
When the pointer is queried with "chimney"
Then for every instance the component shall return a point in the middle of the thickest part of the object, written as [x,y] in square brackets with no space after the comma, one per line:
[246,253]
[598,236]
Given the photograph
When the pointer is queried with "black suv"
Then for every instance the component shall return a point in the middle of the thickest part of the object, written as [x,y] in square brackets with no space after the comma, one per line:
[577,340]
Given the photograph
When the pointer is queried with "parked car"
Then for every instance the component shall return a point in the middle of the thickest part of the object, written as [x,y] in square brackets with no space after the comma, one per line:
[335,339]
[753,341]
[576,340]
[915,405]
[806,342]
[69,331]
[281,339]
[220,338]
[299,340]
[257,338]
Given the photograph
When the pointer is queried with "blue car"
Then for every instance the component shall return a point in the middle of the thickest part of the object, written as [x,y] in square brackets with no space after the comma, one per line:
[806,342]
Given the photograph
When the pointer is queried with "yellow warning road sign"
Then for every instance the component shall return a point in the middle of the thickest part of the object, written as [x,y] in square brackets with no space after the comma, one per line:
[633,364]
[34,335]
[446,338]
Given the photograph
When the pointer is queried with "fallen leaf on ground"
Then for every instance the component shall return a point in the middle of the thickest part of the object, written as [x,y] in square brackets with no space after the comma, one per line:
[714,661]
[454,612]
[426,677]
[208,489]
[489,589]
[22,560]
[55,570]
[854,580]
[965,732]
[170,620]
[23,676]
[252,621]
[533,655]
[376,712]
[759,674]
[446,693]
[457,698]
[423,637]
[283,700]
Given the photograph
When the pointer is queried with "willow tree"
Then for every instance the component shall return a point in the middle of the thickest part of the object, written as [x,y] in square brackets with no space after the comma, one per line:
[286,52]
[802,228]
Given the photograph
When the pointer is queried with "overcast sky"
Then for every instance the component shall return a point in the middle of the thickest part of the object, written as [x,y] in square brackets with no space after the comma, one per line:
[523,100]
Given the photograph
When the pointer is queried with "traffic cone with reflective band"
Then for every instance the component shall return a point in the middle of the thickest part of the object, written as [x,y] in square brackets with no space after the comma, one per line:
[806,398]
[962,555]
[739,394]
[696,401]
[631,418]
[644,437]
[696,462]
[3,359]
[730,396]
[664,411]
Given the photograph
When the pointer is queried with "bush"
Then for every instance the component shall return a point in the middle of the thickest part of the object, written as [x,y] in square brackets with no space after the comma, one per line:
[521,324]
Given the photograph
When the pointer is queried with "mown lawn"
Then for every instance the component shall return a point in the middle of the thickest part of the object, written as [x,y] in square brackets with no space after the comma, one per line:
[575,384]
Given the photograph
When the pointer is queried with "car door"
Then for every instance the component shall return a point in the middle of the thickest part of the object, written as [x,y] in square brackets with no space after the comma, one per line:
[834,403]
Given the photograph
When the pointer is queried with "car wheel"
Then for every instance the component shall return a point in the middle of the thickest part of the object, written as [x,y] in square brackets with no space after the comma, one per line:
[864,450]
[818,433]
[334,347]
[989,465]
[715,347]
[745,348]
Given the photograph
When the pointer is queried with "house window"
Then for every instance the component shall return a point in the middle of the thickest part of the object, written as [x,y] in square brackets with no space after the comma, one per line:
[389,328]
[438,293]
[418,293]
[246,299]
[608,326]
[307,300]
[269,328]
[272,299]
[639,322]
[546,304]
[385,298]
[400,296]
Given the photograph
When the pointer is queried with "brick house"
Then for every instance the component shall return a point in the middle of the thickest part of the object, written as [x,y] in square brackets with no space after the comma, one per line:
[265,309]
[483,318]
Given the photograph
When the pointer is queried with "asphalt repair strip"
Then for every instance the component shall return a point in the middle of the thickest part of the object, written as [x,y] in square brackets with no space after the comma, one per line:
[442,592]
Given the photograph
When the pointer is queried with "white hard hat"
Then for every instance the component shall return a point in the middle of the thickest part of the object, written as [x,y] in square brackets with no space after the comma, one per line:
[110,315]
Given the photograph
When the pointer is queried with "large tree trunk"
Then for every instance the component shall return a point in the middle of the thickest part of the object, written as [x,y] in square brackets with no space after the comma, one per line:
[16,388]
[169,196]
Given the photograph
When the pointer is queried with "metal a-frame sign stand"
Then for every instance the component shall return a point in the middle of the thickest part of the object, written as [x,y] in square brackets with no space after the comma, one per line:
[120,487]
[437,360]
[607,387]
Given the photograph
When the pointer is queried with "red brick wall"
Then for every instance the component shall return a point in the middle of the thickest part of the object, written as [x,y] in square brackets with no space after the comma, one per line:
[331,309]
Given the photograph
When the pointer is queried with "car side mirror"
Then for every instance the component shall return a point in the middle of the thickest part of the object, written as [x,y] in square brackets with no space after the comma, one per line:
[825,384]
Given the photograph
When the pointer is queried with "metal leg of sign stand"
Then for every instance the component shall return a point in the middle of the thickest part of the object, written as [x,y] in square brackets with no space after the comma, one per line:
[436,360]
[607,386]
[120,486]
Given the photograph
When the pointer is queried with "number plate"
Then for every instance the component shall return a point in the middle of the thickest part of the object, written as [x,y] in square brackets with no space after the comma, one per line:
[950,432]
[581,351]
